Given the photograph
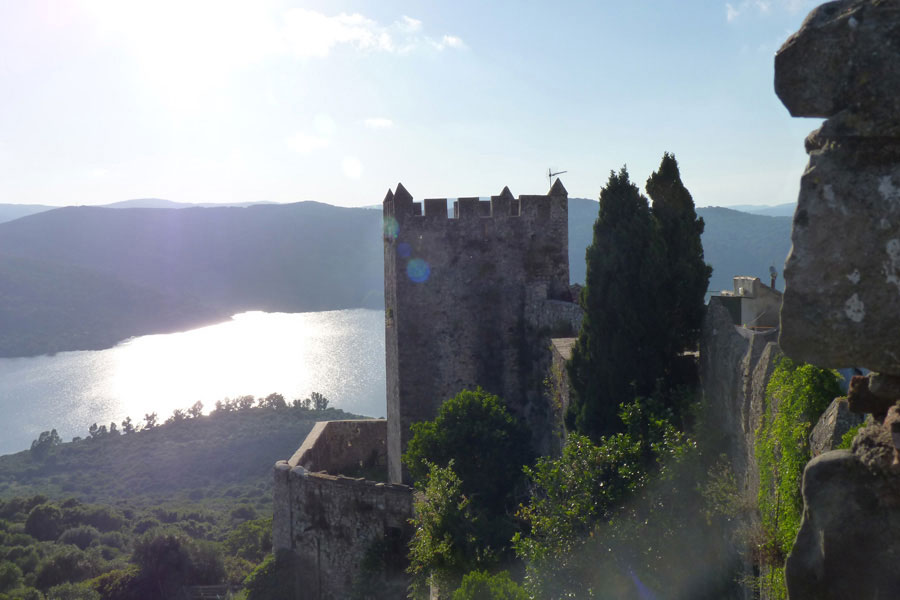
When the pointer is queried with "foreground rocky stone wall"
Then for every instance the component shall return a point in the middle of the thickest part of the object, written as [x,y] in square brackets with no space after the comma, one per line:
[842,288]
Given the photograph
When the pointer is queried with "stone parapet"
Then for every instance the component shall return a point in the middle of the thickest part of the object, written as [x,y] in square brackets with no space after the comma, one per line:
[343,447]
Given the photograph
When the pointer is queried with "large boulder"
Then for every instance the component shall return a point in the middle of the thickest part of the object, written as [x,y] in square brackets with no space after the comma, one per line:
[847,545]
[842,290]
[842,278]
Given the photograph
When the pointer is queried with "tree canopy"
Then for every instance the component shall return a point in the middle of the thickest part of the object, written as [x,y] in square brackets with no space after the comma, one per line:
[686,274]
[617,355]
[644,292]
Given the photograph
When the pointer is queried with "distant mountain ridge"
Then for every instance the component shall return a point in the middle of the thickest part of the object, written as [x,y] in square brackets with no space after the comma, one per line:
[281,257]
[734,242]
[87,277]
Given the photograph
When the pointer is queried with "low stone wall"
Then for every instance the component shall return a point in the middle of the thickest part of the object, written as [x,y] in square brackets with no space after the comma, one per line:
[328,522]
[343,447]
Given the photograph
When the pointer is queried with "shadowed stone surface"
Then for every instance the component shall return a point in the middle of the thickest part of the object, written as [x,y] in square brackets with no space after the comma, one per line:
[833,424]
[842,289]
[846,548]
[842,278]
[843,58]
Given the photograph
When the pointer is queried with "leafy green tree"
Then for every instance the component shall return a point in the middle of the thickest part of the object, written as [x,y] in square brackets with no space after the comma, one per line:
[275,577]
[66,564]
[73,591]
[686,274]
[624,518]
[275,401]
[481,585]
[447,539]
[10,576]
[169,561]
[251,540]
[46,441]
[196,410]
[150,420]
[82,536]
[244,402]
[618,355]
[488,445]
[44,522]
[468,464]
[319,401]
[127,426]
[97,432]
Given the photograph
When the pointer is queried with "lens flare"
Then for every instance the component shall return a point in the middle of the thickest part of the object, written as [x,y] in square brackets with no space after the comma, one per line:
[391,228]
[403,250]
[418,270]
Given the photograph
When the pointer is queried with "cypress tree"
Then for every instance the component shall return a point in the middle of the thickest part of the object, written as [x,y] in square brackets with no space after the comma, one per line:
[686,273]
[618,355]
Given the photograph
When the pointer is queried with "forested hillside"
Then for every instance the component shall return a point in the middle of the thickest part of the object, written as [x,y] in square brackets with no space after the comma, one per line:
[87,277]
[100,275]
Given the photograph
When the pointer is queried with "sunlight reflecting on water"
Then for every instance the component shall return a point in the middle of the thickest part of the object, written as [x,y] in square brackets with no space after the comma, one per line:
[337,353]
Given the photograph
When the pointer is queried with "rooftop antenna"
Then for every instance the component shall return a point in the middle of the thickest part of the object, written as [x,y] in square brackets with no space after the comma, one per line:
[774,275]
[551,174]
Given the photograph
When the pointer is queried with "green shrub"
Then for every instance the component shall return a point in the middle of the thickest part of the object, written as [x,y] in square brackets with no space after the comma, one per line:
[82,536]
[10,576]
[251,540]
[796,396]
[66,564]
[273,578]
[847,438]
[72,591]
[119,584]
[480,585]
[44,522]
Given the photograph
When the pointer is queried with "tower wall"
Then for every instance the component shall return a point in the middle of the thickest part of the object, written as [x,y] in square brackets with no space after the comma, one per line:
[466,302]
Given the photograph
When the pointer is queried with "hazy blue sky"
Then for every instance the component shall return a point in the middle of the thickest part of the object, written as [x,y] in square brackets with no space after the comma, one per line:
[336,101]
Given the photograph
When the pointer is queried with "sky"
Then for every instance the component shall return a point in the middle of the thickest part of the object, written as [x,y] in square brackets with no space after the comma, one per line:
[337,101]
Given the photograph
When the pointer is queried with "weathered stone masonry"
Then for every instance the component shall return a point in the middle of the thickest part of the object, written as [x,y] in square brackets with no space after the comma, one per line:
[328,521]
[467,302]
[842,289]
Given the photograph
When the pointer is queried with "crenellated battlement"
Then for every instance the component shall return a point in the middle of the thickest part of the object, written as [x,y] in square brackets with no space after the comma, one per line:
[400,206]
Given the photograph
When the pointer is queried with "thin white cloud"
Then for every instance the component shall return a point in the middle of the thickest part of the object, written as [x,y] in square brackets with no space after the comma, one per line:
[378,123]
[311,34]
[352,167]
[449,41]
[408,24]
[304,143]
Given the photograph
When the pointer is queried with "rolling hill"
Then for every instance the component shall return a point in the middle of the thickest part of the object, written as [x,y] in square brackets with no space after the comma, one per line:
[734,243]
[87,277]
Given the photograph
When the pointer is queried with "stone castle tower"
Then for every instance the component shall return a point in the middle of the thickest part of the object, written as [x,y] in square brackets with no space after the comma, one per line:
[468,300]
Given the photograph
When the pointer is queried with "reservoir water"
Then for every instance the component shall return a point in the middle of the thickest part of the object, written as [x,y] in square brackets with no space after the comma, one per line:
[337,353]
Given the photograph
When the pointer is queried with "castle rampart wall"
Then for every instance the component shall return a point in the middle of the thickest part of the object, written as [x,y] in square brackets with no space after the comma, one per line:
[328,522]
[343,446]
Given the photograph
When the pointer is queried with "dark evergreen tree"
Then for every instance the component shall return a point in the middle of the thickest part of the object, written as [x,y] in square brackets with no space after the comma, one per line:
[687,274]
[618,356]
